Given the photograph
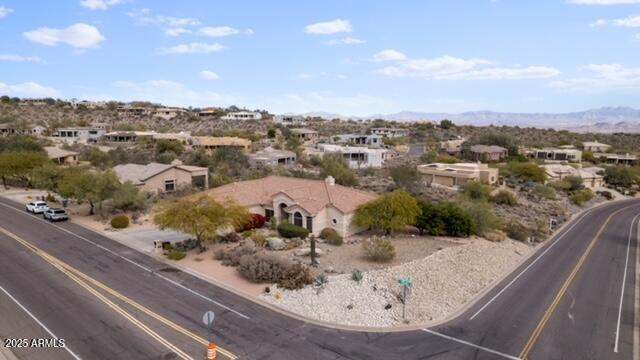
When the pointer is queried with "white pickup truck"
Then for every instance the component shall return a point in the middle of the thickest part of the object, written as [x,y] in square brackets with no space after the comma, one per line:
[37,207]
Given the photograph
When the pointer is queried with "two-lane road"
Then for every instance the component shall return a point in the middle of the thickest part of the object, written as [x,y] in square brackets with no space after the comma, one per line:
[102,297]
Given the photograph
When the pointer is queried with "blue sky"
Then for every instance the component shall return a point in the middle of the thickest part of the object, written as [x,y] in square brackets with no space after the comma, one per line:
[344,56]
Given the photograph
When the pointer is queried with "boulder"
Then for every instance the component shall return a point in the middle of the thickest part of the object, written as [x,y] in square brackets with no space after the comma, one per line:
[275,243]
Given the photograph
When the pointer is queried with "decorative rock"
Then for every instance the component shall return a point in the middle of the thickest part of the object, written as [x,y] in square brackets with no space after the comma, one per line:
[275,243]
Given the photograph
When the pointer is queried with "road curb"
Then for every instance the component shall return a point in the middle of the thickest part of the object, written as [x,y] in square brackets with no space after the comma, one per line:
[473,301]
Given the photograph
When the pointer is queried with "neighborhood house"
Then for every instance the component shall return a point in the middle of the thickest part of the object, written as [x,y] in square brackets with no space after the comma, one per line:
[453,175]
[61,156]
[272,157]
[242,115]
[488,153]
[313,204]
[211,143]
[161,178]
[390,132]
[357,157]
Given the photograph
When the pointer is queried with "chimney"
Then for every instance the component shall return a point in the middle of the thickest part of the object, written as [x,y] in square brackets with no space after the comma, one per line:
[330,180]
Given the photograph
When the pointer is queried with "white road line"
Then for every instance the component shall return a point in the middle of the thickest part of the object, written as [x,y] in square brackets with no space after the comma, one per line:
[624,280]
[529,266]
[636,313]
[134,263]
[506,356]
[75,356]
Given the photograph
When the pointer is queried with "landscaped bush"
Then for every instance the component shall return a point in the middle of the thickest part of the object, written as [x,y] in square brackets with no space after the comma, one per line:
[289,231]
[544,192]
[605,194]
[379,249]
[269,268]
[476,191]
[517,231]
[331,236]
[231,256]
[561,185]
[504,197]
[444,218]
[582,196]
[176,255]
[256,222]
[296,277]
[119,222]
[231,237]
[482,217]
[259,239]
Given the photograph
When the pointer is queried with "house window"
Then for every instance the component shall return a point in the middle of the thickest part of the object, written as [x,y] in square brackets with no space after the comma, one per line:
[310,223]
[268,213]
[169,185]
[297,219]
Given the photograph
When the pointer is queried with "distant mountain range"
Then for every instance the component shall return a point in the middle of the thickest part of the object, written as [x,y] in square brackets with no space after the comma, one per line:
[606,119]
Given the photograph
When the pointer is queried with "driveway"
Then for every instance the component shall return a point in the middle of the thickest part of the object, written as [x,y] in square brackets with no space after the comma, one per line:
[142,240]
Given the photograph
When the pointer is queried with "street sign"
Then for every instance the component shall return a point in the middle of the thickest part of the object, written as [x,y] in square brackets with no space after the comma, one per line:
[207,319]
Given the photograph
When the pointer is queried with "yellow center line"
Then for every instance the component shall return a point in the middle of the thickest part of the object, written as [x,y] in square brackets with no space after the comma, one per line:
[75,275]
[556,301]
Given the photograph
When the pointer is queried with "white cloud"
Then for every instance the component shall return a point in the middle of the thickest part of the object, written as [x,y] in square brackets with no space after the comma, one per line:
[28,89]
[389,55]
[602,78]
[144,16]
[209,75]
[193,48]
[79,35]
[452,68]
[176,31]
[345,41]
[341,77]
[329,27]
[222,31]
[632,21]
[5,11]
[19,58]
[604,2]
[99,4]
[305,76]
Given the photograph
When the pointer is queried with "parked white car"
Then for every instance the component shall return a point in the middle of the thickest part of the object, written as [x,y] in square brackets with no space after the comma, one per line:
[37,207]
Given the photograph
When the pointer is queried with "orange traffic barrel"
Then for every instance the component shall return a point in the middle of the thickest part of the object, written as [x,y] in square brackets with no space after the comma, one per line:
[211,351]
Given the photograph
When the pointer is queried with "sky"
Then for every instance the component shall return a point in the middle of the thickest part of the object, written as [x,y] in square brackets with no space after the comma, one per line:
[352,57]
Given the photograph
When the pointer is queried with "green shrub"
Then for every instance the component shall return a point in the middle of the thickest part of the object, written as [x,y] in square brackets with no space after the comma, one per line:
[331,236]
[444,218]
[525,171]
[289,231]
[605,194]
[544,192]
[176,255]
[561,185]
[482,217]
[504,197]
[379,249]
[265,267]
[582,196]
[259,240]
[517,231]
[476,191]
[495,236]
[119,222]
[575,182]
[357,275]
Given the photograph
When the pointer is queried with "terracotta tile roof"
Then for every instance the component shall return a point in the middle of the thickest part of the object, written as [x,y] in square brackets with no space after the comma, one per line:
[311,195]
[137,174]
[57,153]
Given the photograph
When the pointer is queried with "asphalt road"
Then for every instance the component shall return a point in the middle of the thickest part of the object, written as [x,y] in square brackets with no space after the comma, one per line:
[110,302]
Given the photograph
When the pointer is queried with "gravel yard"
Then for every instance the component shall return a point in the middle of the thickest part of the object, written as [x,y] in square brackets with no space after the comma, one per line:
[442,283]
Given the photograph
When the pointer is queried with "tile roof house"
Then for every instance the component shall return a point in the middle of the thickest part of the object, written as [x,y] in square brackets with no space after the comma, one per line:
[160,178]
[313,204]
[488,153]
[61,156]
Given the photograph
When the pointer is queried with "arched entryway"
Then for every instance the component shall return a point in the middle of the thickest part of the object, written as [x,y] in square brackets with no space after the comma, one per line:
[297,219]
[282,214]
